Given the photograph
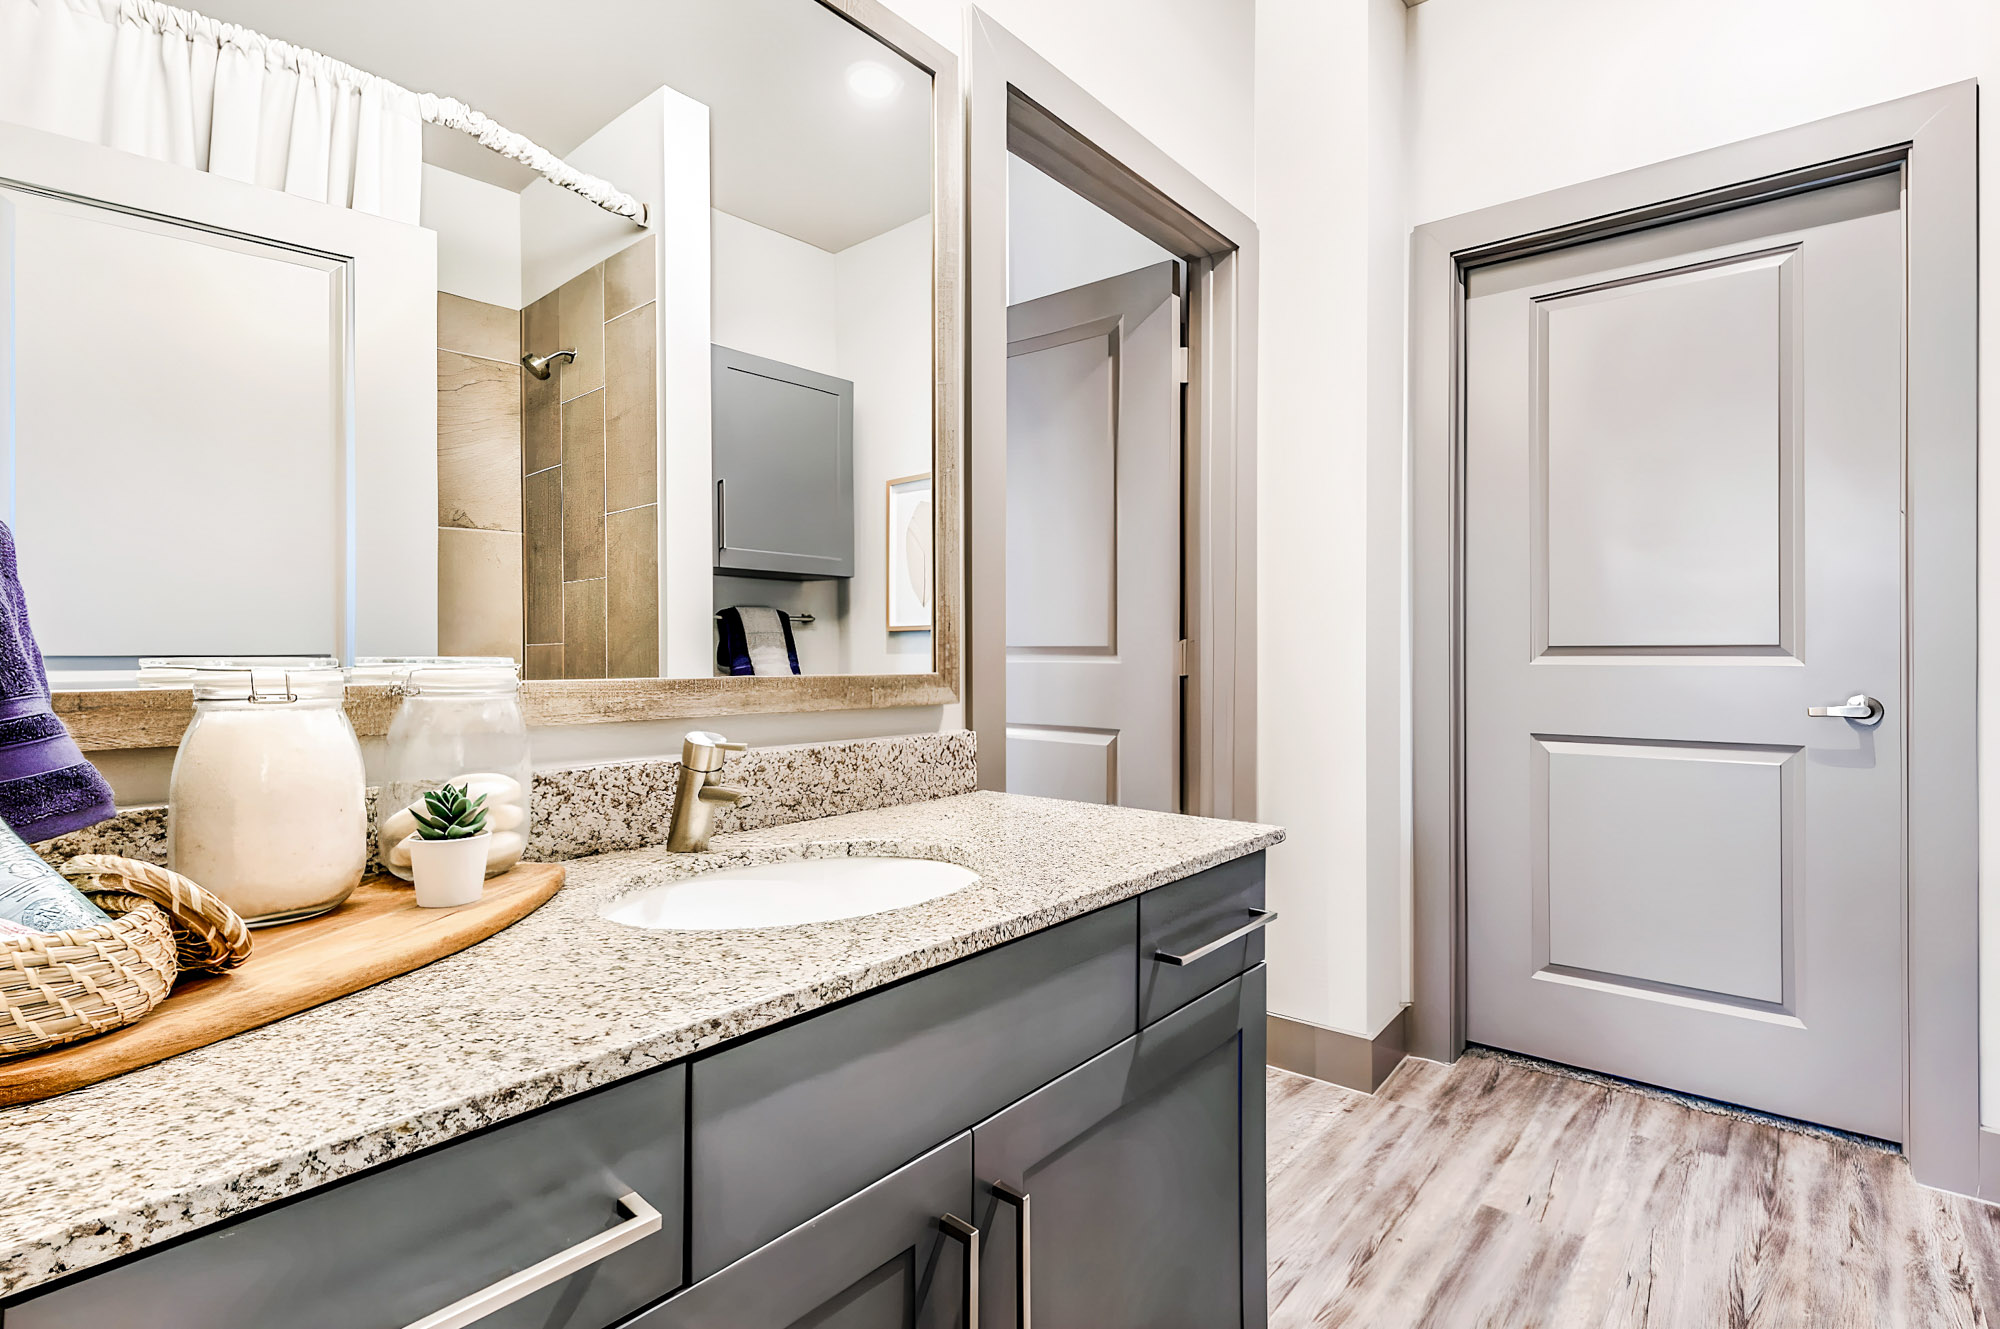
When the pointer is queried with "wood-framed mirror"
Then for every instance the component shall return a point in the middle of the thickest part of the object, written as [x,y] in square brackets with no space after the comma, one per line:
[698,462]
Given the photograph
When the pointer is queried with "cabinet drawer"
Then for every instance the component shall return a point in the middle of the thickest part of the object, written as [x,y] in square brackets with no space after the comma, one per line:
[1182,917]
[384,1250]
[877,1258]
[791,1122]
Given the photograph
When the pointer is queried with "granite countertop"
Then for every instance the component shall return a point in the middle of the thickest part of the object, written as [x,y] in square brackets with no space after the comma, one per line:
[559,1003]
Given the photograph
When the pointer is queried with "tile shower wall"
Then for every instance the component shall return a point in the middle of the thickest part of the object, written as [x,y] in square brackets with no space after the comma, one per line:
[479,478]
[589,458]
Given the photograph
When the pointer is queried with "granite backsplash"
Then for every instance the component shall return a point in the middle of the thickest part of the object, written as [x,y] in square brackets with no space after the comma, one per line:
[580,810]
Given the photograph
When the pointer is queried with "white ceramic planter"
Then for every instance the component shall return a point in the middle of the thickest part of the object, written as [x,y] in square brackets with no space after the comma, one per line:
[449,873]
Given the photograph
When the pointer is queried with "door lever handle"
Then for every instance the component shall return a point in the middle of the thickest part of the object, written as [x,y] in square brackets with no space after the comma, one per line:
[1860,708]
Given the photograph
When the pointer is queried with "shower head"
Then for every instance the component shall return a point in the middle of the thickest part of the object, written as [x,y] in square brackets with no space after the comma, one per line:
[538,365]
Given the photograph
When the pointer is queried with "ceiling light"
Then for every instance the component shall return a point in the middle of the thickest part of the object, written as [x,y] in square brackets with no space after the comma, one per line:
[872,81]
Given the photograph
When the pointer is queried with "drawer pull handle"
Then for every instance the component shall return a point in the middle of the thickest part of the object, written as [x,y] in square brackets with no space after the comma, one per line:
[961,1231]
[1024,1277]
[643,1221]
[1258,918]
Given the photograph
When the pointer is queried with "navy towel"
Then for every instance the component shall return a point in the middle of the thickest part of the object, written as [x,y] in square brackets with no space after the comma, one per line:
[46,787]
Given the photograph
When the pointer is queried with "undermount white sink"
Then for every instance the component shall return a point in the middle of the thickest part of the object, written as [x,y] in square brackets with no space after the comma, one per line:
[787,894]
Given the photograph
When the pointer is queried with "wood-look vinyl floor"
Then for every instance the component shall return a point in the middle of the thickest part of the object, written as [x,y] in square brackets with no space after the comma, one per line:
[1490,1193]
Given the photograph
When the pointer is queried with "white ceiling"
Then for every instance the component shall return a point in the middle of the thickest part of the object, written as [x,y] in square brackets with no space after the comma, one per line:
[792,148]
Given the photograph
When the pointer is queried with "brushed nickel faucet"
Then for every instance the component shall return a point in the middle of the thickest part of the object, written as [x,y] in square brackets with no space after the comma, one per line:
[700,789]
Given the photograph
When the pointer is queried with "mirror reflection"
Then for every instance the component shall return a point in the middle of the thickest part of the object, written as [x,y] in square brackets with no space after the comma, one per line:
[673,417]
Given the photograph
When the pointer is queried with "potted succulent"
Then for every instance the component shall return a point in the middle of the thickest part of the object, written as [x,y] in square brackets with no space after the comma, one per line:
[448,855]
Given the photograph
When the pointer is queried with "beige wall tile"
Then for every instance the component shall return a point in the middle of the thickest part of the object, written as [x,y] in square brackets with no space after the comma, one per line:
[583,629]
[631,429]
[543,573]
[479,592]
[479,443]
[580,315]
[541,324]
[543,662]
[583,488]
[628,277]
[541,425]
[632,593]
[473,327]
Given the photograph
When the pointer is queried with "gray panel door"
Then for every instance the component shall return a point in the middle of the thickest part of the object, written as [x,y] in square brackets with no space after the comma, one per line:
[1094,542]
[1683,491]
[1131,1170]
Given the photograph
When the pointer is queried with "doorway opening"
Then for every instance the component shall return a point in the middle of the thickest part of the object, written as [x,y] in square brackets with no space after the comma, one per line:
[1111,485]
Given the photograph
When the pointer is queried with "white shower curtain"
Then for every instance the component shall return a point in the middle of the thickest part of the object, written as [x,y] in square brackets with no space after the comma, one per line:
[151,79]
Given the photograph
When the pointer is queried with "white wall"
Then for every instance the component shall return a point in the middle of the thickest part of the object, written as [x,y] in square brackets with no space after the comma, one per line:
[1178,71]
[1057,239]
[1512,97]
[1328,156]
[478,236]
[775,296]
[883,340]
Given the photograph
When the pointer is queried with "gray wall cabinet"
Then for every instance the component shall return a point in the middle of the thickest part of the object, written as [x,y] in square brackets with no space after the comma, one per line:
[783,444]
[863,1167]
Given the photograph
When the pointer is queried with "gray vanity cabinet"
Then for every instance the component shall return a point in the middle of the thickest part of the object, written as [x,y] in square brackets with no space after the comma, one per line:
[1137,1179]
[870,1165]
[783,452]
[894,1256]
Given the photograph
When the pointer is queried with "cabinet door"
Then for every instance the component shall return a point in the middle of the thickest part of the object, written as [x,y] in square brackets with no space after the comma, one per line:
[1138,1178]
[784,468]
[895,1256]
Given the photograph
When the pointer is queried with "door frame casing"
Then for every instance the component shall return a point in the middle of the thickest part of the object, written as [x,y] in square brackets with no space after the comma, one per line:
[1932,138]
[1017,101]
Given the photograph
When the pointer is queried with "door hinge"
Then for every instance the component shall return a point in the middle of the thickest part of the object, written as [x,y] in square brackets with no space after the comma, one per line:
[1181,657]
[1180,364]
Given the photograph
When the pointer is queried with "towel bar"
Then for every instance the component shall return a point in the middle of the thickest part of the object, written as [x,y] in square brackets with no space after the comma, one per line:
[796,618]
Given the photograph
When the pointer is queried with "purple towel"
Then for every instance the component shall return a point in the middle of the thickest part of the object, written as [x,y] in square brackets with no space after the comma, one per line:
[46,787]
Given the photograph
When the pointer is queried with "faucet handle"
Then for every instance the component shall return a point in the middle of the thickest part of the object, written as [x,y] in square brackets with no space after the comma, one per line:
[705,752]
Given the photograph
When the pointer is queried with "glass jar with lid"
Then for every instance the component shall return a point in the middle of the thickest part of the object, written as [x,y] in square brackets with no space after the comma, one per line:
[459,722]
[267,803]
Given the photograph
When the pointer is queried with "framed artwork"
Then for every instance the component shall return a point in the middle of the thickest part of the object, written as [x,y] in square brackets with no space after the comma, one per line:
[910,567]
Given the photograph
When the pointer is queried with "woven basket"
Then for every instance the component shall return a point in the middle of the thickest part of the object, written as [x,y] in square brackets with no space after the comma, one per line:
[63,986]
[208,935]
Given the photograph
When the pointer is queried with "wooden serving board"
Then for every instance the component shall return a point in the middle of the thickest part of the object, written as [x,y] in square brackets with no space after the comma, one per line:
[377,934]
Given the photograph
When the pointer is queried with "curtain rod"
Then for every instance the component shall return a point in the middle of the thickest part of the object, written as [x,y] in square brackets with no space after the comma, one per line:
[454,114]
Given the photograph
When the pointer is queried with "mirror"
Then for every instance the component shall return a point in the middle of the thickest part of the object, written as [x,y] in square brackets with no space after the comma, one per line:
[511,422]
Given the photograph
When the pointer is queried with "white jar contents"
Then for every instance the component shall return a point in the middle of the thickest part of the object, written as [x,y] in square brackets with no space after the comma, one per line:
[506,823]
[458,722]
[267,805]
